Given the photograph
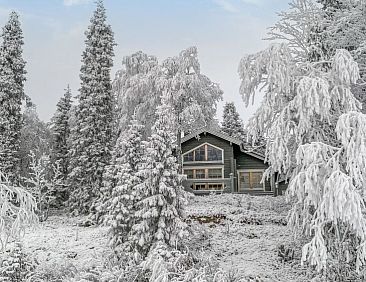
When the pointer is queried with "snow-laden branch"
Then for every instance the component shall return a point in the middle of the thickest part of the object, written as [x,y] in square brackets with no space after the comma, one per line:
[300,101]
[17,211]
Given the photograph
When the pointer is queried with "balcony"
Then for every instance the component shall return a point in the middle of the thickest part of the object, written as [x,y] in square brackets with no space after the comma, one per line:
[226,182]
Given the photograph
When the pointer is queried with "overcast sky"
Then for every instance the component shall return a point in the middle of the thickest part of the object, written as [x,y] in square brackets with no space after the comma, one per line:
[223,30]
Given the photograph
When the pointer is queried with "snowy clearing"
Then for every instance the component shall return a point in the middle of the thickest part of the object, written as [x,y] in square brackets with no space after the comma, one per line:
[61,243]
[239,232]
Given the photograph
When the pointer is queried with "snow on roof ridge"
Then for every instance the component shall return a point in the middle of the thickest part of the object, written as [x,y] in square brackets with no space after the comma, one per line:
[224,136]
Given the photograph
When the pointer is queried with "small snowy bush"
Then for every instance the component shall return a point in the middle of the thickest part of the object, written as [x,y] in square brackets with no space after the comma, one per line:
[15,266]
[40,185]
[17,211]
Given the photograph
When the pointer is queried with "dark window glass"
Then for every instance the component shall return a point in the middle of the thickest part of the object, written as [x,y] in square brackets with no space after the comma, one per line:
[200,174]
[200,154]
[189,173]
[215,173]
[200,186]
[250,180]
[213,154]
[255,180]
[214,186]
[188,157]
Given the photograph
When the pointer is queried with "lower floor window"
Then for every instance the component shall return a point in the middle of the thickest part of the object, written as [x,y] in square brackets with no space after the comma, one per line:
[208,186]
[204,173]
[250,180]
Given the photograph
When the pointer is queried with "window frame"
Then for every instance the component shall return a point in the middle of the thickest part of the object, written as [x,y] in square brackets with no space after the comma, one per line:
[206,154]
[263,188]
[207,185]
[205,168]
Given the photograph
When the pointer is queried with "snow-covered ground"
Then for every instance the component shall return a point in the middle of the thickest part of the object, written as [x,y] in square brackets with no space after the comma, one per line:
[240,233]
[245,241]
[61,241]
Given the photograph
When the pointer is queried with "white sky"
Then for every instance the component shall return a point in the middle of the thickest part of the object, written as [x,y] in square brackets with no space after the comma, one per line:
[223,30]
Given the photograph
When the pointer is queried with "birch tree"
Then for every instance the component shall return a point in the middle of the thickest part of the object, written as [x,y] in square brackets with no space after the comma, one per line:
[303,102]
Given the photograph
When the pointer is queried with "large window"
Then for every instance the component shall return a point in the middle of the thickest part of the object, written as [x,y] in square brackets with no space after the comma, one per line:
[189,157]
[214,173]
[213,154]
[204,153]
[250,180]
[204,173]
[200,173]
[189,173]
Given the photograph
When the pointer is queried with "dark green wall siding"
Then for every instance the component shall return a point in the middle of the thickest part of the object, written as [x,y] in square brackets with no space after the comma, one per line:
[244,161]
[218,142]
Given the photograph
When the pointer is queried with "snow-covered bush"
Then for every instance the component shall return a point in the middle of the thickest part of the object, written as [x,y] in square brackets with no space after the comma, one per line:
[17,211]
[15,266]
[39,185]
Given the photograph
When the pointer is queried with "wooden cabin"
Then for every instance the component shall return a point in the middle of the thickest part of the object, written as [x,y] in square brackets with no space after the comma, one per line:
[215,162]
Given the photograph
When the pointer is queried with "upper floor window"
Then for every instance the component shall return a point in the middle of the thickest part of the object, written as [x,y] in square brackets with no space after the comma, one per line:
[204,153]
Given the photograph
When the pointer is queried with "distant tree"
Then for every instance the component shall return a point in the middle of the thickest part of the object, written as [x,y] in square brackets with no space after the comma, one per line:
[12,78]
[61,133]
[160,210]
[92,135]
[35,137]
[118,203]
[232,123]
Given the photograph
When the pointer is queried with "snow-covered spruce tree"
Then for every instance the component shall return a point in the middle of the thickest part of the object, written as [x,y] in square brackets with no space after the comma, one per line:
[118,202]
[12,78]
[92,136]
[160,211]
[231,122]
[302,102]
[61,133]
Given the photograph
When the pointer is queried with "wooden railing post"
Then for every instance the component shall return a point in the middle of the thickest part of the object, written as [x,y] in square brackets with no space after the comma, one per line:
[232,184]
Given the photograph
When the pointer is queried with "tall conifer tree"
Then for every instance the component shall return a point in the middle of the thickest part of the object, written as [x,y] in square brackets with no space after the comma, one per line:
[122,175]
[231,123]
[61,133]
[160,210]
[92,135]
[12,78]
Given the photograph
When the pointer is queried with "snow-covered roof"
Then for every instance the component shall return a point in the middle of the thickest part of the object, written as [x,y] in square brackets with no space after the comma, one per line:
[226,137]
[212,132]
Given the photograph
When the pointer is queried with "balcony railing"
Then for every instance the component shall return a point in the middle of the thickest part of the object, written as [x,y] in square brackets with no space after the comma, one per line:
[227,185]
